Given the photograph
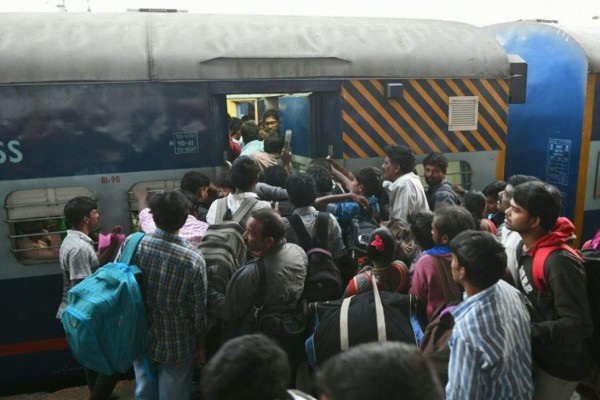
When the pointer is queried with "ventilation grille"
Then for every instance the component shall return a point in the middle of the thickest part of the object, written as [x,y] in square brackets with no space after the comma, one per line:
[462,113]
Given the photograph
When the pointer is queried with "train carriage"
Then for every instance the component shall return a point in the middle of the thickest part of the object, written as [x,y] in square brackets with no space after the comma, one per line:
[97,103]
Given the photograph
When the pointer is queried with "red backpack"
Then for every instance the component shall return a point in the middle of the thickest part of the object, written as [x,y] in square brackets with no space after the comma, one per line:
[539,259]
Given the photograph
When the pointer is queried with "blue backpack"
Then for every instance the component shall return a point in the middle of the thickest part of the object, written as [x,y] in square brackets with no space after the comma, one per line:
[105,320]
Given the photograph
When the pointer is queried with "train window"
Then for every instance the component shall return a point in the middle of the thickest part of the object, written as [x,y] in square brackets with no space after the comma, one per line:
[153,186]
[458,173]
[36,223]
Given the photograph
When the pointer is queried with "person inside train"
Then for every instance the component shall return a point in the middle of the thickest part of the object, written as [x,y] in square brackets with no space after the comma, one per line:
[432,281]
[389,370]
[271,120]
[405,190]
[490,348]
[474,201]
[251,139]
[491,193]
[234,135]
[561,320]
[249,367]
[78,260]
[36,241]
[440,191]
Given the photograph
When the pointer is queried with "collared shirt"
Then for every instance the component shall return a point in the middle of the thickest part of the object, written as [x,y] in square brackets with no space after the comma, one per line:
[77,260]
[344,212]
[234,200]
[174,287]
[193,230]
[309,217]
[441,194]
[406,195]
[255,145]
[490,347]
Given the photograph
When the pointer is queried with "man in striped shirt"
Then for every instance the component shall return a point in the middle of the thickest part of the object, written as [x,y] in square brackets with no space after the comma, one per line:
[174,289]
[490,347]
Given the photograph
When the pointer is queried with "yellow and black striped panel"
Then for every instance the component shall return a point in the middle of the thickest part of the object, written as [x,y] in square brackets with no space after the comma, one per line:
[419,119]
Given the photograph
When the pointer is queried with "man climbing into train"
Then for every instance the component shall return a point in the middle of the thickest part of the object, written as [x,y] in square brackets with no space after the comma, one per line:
[557,289]
[78,260]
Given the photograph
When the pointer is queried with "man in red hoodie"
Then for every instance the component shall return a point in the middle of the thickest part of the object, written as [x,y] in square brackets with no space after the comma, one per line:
[561,321]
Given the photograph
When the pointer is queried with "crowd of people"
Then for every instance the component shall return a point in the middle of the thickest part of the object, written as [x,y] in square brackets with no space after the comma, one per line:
[467,253]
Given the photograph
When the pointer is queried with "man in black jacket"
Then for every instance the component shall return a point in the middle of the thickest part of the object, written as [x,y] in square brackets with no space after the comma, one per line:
[561,321]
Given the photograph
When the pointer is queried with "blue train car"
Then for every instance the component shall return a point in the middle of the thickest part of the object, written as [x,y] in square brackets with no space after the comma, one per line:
[96,103]
[555,134]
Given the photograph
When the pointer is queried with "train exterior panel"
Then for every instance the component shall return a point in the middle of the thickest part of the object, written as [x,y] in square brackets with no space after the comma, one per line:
[555,135]
[97,103]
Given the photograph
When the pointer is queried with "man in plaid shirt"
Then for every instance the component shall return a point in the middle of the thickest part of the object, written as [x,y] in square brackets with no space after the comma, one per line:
[174,289]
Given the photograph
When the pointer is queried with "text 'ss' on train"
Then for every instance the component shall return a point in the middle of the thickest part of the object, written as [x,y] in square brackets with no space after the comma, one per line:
[94,104]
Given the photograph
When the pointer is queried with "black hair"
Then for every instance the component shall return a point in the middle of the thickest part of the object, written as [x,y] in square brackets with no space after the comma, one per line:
[247,117]
[385,252]
[275,175]
[438,160]
[539,200]
[321,162]
[248,367]
[516,180]
[223,179]
[401,156]
[249,131]
[273,143]
[302,190]
[272,224]
[493,189]
[169,209]
[244,173]
[481,255]
[390,370]
[371,178]
[77,209]
[271,113]
[475,202]
[235,124]
[192,181]
[322,178]
[452,220]
[420,227]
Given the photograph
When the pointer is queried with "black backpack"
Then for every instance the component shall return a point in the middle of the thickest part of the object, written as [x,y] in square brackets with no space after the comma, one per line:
[591,264]
[323,280]
[359,232]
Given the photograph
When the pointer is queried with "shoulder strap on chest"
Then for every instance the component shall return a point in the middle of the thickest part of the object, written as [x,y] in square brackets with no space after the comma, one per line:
[449,286]
[262,283]
[539,260]
[300,231]
[245,207]
[129,250]
[221,210]
[322,229]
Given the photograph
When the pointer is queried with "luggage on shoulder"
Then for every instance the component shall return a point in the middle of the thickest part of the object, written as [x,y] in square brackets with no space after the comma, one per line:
[359,232]
[323,280]
[366,317]
[105,320]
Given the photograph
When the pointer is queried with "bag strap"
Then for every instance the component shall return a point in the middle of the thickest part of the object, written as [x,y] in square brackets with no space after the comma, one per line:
[344,337]
[245,207]
[322,229]
[221,210]
[300,231]
[449,287]
[539,260]
[129,249]
[401,268]
[379,315]
[262,284]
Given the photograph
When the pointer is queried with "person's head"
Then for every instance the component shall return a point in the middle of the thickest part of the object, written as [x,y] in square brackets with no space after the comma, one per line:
[474,201]
[321,162]
[271,119]
[274,143]
[264,229]
[249,131]
[235,126]
[448,222]
[170,209]
[399,160]
[275,175]
[197,184]
[507,194]
[322,178]
[420,227]
[389,370]
[248,117]
[435,166]
[535,206]
[261,129]
[368,181]
[491,193]
[477,258]
[248,367]
[302,190]
[223,183]
[82,212]
[244,173]
[382,246]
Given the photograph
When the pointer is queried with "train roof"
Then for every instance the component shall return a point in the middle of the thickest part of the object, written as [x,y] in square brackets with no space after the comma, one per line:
[587,37]
[67,47]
